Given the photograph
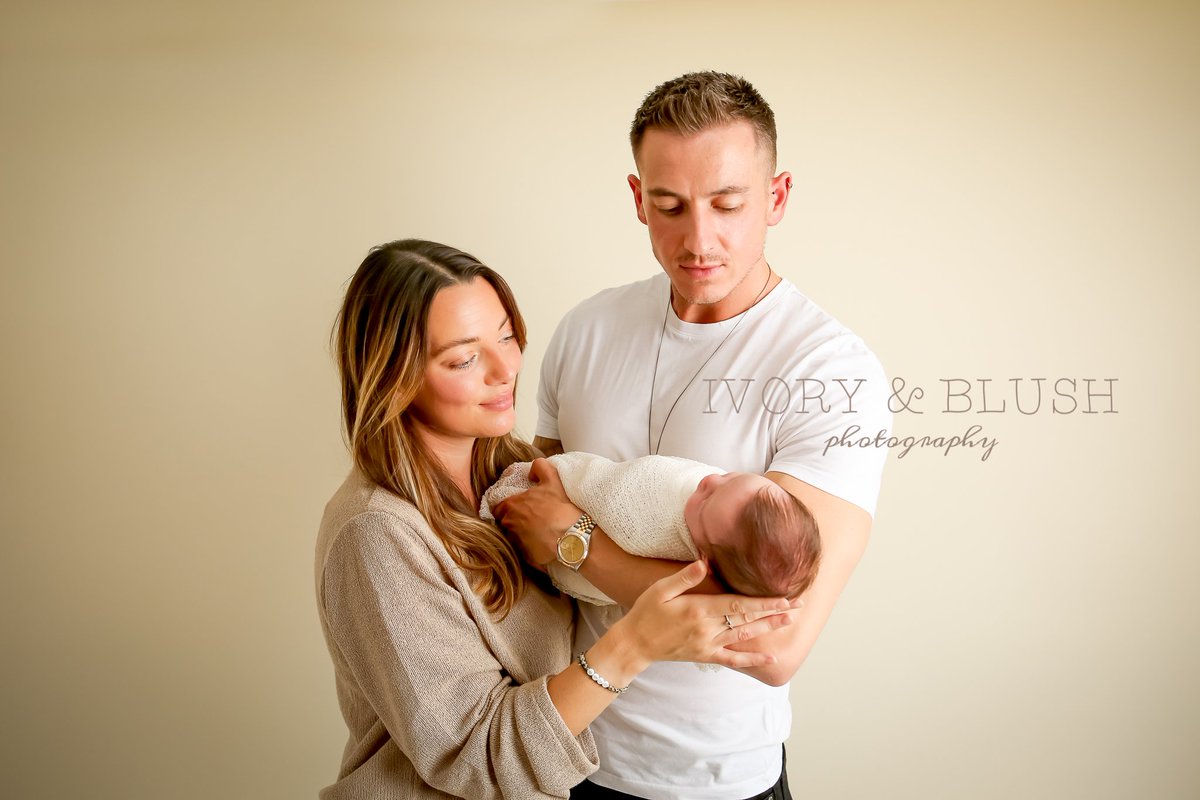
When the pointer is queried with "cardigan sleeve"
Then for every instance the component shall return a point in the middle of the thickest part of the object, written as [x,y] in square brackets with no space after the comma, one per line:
[417,655]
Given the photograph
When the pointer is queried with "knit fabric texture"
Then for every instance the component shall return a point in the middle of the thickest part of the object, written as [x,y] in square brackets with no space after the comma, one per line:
[638,504]
[441,699]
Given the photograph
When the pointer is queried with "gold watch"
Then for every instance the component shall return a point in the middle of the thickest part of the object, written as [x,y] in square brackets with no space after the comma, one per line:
[573,544]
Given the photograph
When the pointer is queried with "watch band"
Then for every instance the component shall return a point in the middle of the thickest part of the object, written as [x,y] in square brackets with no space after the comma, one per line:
[578,537]
[584,524]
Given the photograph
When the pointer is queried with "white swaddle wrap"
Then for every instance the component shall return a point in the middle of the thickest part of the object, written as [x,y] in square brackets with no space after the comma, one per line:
[638,504]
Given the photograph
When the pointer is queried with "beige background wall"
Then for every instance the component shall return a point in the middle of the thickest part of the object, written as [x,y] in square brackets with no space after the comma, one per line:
[984,190]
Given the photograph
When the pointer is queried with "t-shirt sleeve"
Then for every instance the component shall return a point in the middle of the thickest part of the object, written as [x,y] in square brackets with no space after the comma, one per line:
[420,660]
[550,380]
[823,440]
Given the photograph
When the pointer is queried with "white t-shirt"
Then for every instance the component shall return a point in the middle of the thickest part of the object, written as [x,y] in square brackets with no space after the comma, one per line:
[788,379]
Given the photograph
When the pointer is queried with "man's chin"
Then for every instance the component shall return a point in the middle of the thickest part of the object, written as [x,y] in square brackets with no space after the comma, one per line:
[698,296]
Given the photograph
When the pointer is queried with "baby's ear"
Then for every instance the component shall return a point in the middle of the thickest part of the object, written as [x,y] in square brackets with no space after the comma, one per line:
[716,575]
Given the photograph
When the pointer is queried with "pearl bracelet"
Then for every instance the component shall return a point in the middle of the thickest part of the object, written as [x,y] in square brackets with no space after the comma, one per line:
[595,676]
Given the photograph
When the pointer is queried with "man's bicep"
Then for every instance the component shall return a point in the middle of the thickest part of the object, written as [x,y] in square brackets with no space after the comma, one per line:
[844,529]
[548,447]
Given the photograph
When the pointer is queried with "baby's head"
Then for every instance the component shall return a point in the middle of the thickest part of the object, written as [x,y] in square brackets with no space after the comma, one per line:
[760,539]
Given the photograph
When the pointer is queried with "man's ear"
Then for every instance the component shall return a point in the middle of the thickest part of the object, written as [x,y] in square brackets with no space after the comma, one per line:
[635,184]
[781,187]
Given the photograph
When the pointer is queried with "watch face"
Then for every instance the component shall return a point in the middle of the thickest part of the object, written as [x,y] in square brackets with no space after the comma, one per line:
[570,548]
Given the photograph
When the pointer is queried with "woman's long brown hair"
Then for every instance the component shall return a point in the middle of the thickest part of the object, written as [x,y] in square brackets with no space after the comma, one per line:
[381,346]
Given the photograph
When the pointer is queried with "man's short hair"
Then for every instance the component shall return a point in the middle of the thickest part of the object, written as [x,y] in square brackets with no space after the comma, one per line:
[698,101]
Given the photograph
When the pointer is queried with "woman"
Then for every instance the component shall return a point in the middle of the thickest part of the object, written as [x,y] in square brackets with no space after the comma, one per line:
[453,669]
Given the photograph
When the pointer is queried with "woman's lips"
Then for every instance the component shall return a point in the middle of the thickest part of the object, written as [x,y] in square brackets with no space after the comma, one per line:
[501,403]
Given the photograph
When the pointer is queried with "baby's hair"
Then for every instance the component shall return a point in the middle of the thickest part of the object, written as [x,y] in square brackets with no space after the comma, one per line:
[779,549]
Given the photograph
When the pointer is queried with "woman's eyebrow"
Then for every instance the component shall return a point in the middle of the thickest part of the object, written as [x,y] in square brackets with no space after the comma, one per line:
[454,343]
[470,340]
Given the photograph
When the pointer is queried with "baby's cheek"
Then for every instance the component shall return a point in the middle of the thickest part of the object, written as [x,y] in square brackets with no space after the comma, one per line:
[689,510]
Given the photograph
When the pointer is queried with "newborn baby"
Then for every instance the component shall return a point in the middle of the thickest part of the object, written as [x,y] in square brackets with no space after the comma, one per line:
[759,539]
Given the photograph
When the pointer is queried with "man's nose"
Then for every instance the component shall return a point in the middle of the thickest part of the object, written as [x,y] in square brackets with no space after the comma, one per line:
[700,234]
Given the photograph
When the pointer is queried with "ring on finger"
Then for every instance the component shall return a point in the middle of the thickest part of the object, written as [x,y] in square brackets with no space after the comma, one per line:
[728,622]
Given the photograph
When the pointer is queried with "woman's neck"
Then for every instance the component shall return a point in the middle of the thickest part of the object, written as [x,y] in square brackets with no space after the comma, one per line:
[463,482]
[454,454]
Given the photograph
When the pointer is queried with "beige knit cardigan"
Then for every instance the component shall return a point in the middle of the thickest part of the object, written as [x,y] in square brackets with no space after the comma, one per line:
[441,700]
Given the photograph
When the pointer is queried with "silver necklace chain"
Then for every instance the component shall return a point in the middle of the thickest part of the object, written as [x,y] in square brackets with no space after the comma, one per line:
[658,355]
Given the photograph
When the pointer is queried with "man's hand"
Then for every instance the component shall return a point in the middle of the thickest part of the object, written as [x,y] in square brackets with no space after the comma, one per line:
[537,517]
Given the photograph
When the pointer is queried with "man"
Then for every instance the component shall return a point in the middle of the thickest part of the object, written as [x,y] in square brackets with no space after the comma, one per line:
[720,360]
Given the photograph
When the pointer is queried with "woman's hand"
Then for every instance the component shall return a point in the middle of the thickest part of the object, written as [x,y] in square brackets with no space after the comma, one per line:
[538,516]
[665,624]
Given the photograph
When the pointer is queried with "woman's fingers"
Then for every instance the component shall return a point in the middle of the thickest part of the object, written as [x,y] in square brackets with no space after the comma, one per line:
[672,586]
[742,609]
[676,626]
[774,620]
[751,616]
[734,611]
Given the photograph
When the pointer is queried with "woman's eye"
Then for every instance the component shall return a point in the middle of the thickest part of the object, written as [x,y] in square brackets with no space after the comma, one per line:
[464,364]
[506,338]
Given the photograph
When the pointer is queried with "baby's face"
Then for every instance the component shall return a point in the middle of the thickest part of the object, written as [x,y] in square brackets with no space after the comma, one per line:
[711,513]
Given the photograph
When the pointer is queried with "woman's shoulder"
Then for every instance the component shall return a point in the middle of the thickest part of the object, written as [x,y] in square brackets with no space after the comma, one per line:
[361,509]
[358,495]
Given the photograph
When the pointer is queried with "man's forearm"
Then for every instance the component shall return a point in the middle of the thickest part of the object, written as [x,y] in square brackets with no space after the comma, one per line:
[845,529]
[624,577]
[844,533]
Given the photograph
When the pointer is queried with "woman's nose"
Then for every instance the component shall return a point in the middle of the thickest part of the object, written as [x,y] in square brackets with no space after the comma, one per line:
[503,368]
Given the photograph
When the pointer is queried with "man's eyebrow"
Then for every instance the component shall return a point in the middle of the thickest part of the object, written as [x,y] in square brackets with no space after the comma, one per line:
[470,340]
[656,192]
